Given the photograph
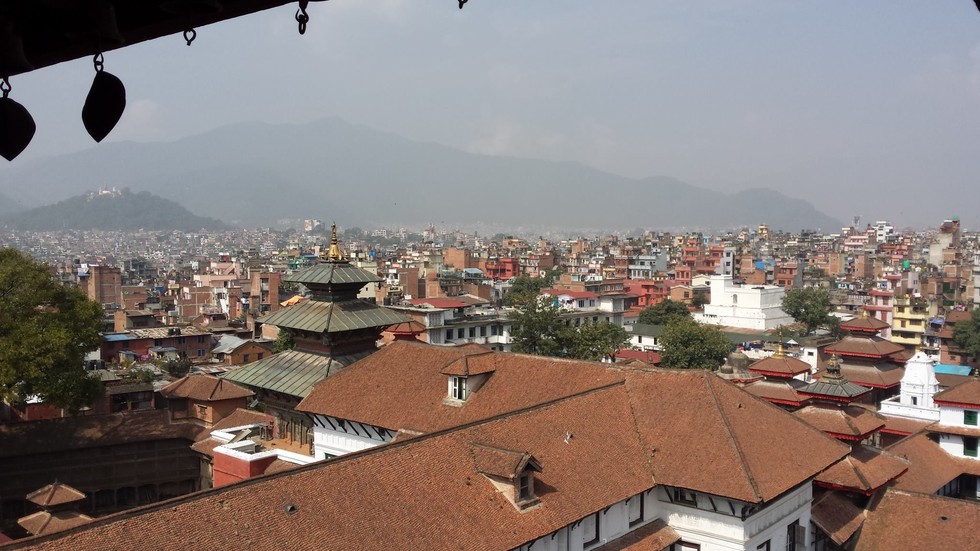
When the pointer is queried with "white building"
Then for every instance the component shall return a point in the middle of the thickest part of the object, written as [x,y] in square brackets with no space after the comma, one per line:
[757,307]
[919,385]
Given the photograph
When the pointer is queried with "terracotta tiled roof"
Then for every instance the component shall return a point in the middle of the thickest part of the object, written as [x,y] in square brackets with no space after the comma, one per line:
[865,470]
[904,520]
[241,417]
[967,393]
[904,425]
[654,536]
[298,509]
[402,386]
[846,422]
[780,366]
[55,494]
[204,388]
[777,392]
[864,323]
[931,467]
[837,516]
[875,375]
[44,522]
[745,448]
[875,347]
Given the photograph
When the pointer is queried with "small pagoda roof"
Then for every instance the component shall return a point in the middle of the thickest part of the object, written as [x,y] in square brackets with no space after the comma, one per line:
[833,386]
[779,365]
[864,470]
[44,522]
[865,324]
[55,494]
[868,347]
[779,391]
[411,327]
[842,422]
[332,317]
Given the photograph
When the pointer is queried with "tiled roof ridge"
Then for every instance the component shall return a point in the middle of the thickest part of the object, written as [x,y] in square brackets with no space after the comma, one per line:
[733,440]
[172,502]
[639,436]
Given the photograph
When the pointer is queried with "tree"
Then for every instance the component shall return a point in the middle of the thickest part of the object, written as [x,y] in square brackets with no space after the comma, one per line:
[284,341]
[525,289]
[690,345]
[810,306]
[538,329]
[661,313]
[45,331]
[966,335]
[595,341]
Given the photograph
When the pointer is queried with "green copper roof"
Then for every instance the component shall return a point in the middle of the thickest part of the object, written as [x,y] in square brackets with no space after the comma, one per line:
[291,372]
[333,317]
[332,272]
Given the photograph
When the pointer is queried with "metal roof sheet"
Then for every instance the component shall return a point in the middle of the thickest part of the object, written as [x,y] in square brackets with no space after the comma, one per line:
[291,372]
[333,317]
[334,273]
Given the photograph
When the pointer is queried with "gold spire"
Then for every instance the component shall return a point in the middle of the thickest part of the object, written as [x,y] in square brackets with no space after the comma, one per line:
[334,253]
[780,353]
[864,313]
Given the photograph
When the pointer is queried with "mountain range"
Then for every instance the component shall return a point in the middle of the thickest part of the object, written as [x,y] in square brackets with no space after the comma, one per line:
[111,210]
[258,174]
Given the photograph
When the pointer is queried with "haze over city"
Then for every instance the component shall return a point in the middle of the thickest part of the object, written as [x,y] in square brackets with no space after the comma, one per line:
[859,108]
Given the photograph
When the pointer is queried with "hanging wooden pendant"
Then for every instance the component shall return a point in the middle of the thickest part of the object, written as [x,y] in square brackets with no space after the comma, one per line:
[16,127]
[104,105]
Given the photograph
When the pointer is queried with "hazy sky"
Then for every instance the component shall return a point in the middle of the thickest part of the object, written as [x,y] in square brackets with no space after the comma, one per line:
[867,107]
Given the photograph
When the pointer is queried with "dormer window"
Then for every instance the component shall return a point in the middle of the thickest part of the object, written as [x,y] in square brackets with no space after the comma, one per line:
[525,490]
[457,388]
[511,472]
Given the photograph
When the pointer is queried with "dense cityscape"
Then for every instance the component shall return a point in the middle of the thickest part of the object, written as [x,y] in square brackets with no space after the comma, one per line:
[217,352]
[524,276]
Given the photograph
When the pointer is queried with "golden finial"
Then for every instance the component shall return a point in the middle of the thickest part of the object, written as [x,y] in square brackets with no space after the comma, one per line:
[780,353]
[864,313]
[334,253]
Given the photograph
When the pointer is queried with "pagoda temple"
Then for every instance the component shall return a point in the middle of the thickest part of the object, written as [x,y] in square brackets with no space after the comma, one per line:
[868,359]
[331,330]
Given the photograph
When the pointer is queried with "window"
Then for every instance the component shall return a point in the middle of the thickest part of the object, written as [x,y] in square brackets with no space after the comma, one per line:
[581,304]
[634,510]
[590,530]
[915,401]
[525,489]
[970,417]
[493,330]
[457,389]
[685,496]
[157,342]
[200,352]
[460,333]
[795,537]
[182,340]
[483,331]
[449,334]
[259,355]
[246,358]
[472,332]
[970,446]
[200,338]
[202,410]
[764,546]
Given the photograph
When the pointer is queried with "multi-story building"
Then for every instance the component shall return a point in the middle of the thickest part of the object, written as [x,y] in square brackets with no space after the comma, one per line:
[749,307]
